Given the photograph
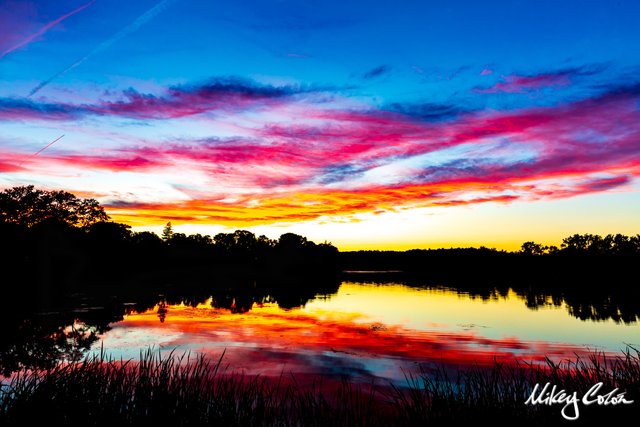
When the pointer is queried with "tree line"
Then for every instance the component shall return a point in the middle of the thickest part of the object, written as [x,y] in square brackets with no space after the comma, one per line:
[55,234]
[28,208]
[54,237]
[591,244]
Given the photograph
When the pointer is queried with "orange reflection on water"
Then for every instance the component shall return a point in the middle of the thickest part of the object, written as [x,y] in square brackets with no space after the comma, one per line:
[268,340]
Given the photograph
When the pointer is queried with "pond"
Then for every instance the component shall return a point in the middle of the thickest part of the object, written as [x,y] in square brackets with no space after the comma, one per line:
[365,330]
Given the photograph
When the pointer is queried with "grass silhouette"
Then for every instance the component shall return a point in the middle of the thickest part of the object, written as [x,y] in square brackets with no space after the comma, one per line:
[186,390]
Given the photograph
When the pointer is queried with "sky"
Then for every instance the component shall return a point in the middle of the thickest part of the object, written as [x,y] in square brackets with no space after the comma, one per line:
[370,125]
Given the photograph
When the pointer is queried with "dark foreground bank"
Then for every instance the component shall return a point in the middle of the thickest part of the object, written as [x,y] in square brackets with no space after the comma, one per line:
[177,391]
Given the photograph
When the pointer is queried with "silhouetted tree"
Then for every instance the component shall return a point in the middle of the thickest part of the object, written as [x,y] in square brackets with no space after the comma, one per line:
[177,238]
[597,245]
[200,240]
[28,206]
[575,243]
[146,240]
[551,249]
[264,246]
[245,242]
[291,242]
[167,232]
[625,245]
[532,248]
[109,232]
[240,243]
[225,242]
[264,242]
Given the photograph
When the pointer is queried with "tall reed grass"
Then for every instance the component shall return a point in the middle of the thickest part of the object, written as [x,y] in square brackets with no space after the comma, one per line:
[185,390]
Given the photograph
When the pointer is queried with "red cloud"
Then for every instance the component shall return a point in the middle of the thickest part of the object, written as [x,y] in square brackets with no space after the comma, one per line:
[329,161]
[6,167]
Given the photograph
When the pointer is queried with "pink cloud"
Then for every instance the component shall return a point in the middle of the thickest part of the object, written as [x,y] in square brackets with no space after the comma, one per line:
[316,160]
[457,202]
[522,84]
[6,167]
[527,83]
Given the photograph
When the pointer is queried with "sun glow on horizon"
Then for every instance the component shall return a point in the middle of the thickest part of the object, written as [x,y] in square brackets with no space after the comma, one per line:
[494,225]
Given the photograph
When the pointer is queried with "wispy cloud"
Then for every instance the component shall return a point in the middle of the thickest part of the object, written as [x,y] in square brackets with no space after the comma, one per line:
[428,111]
[218,94]
[526,83]
[298,157]
[376,72]
[44,29]
[25,109]
[134,26]
[179,101]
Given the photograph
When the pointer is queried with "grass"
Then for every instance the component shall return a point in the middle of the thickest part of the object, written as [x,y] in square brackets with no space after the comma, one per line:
[182,390]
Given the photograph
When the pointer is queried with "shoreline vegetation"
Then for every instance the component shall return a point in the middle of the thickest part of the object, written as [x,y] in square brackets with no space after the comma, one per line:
[56,247]
[55,244]
[53,238]
[187,390]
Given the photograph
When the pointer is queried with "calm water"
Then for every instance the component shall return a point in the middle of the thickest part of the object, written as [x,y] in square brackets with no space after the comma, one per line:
[367,330]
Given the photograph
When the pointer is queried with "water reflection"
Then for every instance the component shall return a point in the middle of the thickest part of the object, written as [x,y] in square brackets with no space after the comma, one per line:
[589,300]
[321,339]
[367,329]
[66,326]
[39,341]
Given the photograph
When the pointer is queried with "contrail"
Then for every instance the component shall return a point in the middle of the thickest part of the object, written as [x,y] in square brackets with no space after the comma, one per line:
[139,22]
[42,149]
[44,29]
[47,146]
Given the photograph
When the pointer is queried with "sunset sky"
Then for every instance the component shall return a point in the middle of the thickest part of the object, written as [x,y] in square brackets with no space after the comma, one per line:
[381,125]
